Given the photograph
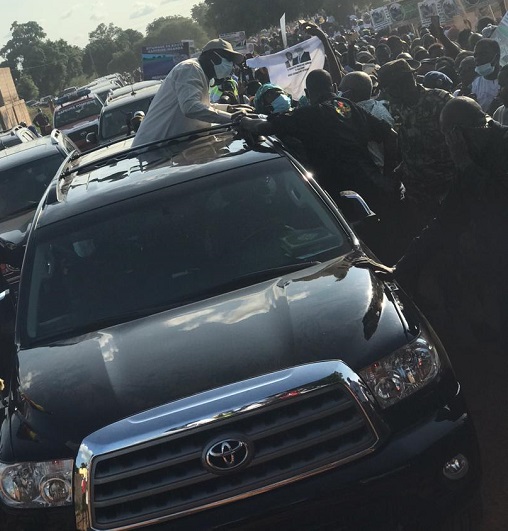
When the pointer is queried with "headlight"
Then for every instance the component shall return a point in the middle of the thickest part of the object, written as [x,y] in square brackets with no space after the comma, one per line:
[36,485]
[403,372]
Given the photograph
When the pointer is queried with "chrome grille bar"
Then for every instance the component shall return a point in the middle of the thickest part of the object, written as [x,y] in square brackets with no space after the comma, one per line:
[298,422]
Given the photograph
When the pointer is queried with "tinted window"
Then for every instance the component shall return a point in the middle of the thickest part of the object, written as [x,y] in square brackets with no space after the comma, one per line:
[174,246]
[77,111]
[22,187]
[114,121]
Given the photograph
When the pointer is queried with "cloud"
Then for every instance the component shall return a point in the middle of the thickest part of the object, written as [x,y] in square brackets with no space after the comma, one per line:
[141,10]
[98,11]
[68,13]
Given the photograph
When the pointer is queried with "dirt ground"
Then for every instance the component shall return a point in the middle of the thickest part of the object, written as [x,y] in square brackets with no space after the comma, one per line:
[481,368]
[483,374]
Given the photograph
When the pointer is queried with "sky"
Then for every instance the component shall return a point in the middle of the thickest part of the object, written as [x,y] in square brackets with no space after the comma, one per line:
[73,21]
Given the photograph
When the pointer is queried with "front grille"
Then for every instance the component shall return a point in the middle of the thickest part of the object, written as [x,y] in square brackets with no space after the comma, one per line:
[293,434]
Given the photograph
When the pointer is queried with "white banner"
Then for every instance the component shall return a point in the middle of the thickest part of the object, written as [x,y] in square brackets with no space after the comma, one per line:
[290,67]
[501,36]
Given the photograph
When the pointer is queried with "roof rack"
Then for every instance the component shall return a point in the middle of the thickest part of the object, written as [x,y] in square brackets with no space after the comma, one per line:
[191,135]
[76,95]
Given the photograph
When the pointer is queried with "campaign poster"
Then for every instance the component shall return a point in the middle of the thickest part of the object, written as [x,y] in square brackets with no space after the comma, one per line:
[451,9]
[380,18]
[403,12]
[158,61]
[237,39]
[427,9]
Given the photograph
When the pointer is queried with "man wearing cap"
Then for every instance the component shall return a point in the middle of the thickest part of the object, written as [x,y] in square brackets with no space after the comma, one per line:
[182,104]
[426,169]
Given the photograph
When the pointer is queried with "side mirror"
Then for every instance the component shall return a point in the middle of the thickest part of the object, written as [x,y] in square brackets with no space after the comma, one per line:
[91,138]
[355,209]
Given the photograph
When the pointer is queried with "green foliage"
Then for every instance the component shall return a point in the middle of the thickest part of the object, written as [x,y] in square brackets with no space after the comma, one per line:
[108,46]
[49,66]
[167,30]
[104,33]
[27,89]
[201,14]
[124,61]
[253,16]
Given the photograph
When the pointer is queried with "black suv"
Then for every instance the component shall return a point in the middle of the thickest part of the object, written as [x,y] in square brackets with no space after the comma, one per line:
[25,172]
[204,343]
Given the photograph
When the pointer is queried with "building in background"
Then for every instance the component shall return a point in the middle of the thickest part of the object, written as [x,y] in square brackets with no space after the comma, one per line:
[12,109]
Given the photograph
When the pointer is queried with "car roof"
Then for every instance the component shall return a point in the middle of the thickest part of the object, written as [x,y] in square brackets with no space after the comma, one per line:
[110,83]
[134,87]
[35,149]
[120,101]
[92,96]
[111,174]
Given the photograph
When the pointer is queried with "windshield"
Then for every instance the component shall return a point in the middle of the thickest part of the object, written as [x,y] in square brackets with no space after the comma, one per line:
[22,187]
[167,248]
[114,122]
[74,112]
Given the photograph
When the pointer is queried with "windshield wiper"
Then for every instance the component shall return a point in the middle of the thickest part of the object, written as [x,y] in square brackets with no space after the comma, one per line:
[263,274]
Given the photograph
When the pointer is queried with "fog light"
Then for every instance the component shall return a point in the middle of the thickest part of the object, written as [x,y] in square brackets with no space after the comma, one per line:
[456,468]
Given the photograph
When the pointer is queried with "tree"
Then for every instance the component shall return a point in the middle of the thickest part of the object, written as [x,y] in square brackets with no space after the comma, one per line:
[110,45]
[63,63]
[167,30]
[254,16]
[23,49]
[103,32]
[24,37]
[125,61]
[49,65]
[201,14]
[27,89]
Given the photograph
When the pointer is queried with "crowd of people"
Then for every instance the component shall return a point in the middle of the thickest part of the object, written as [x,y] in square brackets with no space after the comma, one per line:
[414,122]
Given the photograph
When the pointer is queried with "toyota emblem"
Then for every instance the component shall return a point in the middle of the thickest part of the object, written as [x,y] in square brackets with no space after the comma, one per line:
[227,455]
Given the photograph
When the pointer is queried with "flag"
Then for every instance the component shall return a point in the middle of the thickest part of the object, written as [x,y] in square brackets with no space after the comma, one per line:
[283,30]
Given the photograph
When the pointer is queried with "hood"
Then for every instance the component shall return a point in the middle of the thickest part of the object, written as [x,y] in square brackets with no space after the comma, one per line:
[91,121]
[74,387]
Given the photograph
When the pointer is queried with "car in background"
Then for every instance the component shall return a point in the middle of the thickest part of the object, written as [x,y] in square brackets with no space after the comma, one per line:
[77,114]
[116,115]
[203,342]
[132,88]
[16,135]
[25,172]
[44,101]
[103,90]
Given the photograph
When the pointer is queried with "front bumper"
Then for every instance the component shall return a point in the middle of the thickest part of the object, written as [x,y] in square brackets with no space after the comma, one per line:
[399,486]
